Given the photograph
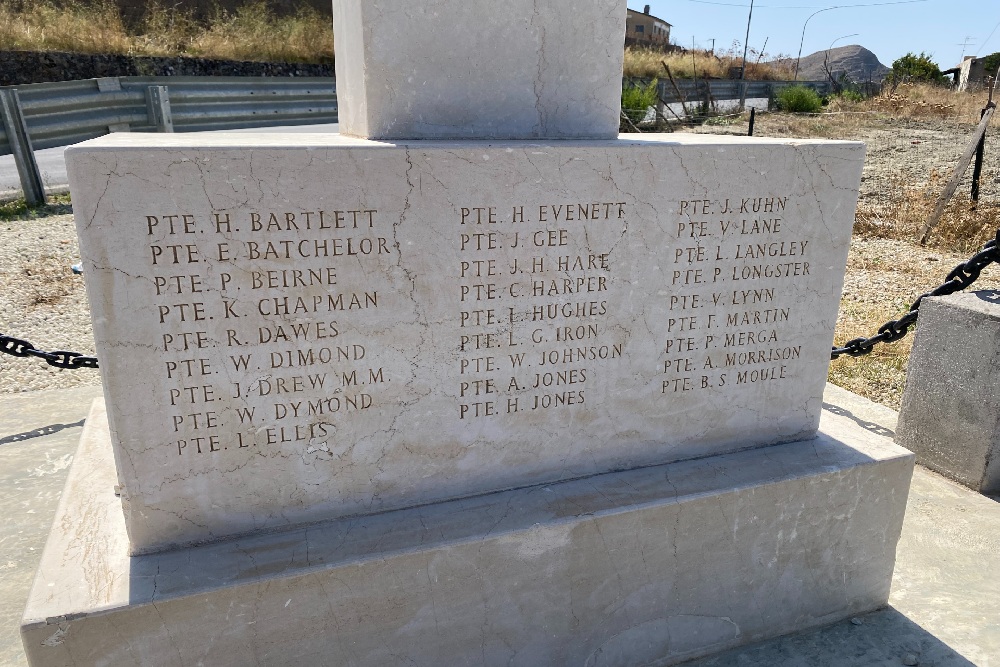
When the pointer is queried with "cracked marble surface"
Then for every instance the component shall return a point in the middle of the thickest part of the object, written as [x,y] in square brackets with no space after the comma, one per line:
[646,566]
[335,327]
[456,69]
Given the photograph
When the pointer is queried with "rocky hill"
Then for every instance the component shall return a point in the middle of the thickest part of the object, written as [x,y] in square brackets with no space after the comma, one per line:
[856,61]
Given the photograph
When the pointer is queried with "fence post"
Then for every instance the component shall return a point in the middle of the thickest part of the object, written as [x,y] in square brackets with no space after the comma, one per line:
[158,106]
[20,145]
[977,169]
[948,413]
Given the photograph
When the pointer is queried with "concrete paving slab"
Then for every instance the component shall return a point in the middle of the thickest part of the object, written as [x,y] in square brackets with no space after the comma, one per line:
[943,609]
[942,613]
[39,433]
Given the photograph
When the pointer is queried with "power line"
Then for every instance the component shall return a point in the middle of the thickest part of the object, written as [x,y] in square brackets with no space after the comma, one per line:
[826,9]
[873,4]
[986,41]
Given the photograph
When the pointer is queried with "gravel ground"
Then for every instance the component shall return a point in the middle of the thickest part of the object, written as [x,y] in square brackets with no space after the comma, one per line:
[899,152]
[42,301]
[883,278]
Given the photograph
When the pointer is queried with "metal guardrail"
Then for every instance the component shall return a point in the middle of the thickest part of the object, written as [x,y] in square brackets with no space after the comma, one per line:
[46,115]
[697,90]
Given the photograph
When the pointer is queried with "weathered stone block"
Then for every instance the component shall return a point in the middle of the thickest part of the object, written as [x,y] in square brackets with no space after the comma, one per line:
[950,408]
[649,566]
[297,328]
[457,69]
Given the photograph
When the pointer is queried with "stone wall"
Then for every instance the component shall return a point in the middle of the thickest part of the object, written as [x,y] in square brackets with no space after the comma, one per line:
[21,67]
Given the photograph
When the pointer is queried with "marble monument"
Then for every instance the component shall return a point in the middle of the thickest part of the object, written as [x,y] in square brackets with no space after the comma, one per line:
[475,382]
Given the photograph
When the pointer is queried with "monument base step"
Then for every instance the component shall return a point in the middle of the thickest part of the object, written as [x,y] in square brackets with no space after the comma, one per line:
[642,567]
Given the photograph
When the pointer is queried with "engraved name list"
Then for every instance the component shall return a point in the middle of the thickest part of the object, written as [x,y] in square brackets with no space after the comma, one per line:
[731,271]
[540,312]
[287,367]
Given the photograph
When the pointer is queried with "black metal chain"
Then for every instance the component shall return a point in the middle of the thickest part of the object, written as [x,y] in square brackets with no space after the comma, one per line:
[58,358]
[960,277]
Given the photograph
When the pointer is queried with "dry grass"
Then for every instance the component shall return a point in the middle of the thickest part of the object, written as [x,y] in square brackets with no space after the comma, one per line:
[883,278]
[844,118]
[43,25]
[898,206]
[834,123]
[879,286]
[918,101]
[165,31]
[879,376]
[648,63]
[253,32]
[922,100]
[901,213]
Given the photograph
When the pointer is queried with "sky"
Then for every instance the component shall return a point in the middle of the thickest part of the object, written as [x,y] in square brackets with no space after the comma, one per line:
[937,27]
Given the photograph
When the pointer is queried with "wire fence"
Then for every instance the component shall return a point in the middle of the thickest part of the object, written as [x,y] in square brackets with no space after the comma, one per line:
[907,170]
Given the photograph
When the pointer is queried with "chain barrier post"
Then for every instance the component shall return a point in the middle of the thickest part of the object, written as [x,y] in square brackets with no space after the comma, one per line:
[958,279]
[12,117]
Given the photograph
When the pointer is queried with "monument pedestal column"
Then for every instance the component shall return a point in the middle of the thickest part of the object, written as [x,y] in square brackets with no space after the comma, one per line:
[648,566]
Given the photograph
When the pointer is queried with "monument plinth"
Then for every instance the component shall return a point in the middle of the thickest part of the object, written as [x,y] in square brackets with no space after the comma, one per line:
[441,320]
[329,361]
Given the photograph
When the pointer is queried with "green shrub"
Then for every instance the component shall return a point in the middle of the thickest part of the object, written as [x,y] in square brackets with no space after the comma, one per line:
[991,63]
[913,67]
[637,98]
[799,99]
[851,96]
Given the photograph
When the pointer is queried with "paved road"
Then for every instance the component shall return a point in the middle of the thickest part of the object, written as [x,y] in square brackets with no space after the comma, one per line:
[53,166]
[50,163]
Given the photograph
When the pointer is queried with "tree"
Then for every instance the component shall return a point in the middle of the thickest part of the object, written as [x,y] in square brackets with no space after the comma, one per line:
[916,68]
[991,63]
